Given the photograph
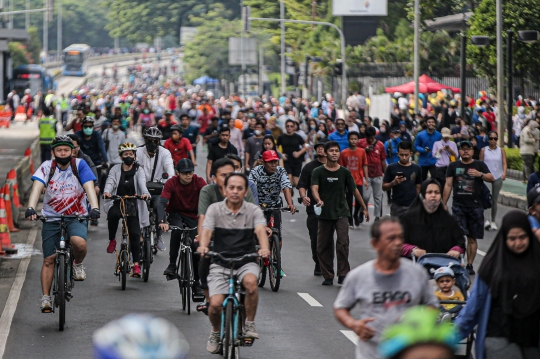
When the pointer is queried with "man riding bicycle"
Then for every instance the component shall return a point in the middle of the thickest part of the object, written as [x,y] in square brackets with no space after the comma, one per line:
[181,196]
[65,181]
[155,160]
[127,179]
[233,222]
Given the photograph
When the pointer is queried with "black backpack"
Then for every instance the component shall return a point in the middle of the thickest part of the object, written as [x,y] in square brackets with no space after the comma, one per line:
[74,169]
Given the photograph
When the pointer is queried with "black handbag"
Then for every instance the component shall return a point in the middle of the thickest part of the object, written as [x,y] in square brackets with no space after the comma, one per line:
[155,188]
[487,200]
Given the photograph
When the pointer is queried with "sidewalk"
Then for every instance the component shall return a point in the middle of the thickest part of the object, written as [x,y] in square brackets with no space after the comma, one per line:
[513,194]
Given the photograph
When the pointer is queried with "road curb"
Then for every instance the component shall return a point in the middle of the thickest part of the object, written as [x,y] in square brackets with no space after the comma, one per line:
[513,200]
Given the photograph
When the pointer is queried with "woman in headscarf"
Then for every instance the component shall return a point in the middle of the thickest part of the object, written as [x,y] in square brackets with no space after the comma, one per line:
[505,300]
[428,227]
[384,133]
[519,122]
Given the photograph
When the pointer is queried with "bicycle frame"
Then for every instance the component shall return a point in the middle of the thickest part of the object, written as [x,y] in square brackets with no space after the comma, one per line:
[67,250]
[237,305]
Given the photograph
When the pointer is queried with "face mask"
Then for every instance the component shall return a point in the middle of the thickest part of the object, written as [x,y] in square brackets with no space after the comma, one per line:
[383,130]
[257,132]
[88,131]
[128,160]
[313,127]
[115,127]
[146,112]
[251,115]
[151,146]
[430,206]
[62,161]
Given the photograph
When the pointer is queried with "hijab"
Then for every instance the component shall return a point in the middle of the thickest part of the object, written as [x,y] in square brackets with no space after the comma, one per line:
[513,279]
[421,198]
[521,112]
[383,136]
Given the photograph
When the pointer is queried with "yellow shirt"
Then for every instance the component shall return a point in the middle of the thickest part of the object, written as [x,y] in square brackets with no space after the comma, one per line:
[454,295]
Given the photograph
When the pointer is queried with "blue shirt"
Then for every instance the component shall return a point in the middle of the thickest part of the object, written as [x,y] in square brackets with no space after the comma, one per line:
[342,140]
[191,134]
[534,222]
[391,151]
[425,139]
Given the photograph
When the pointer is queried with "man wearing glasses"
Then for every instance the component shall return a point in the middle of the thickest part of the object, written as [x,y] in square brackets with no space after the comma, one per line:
[466,178]
[341,135]
[293,151]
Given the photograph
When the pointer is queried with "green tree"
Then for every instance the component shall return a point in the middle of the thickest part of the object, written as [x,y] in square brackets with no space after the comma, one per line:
[19,55]
[430,9]
[517,15]
[34,45]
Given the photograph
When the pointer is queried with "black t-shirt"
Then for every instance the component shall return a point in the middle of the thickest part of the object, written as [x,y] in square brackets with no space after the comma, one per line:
[211,131]
[215,152]
[305,181]
[291,143]
[404,193]
[126,187]
[248,132]
[467,189]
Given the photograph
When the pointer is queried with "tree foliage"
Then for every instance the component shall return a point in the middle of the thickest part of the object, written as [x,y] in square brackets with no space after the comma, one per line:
[430,9]
[19,54]
[517,15]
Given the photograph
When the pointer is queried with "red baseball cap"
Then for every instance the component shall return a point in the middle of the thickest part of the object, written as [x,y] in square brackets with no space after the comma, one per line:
[270,156]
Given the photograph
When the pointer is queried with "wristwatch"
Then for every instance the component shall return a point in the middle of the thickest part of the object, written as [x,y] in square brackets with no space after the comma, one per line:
[481,174]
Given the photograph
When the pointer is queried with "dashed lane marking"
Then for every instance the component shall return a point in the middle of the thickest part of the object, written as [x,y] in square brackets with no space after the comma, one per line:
[310,300]
[350,335]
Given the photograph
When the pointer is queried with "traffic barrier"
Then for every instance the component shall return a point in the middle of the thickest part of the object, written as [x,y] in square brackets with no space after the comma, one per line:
[28,153]
[5,240]
[5,118]
[8,208]
[14,187]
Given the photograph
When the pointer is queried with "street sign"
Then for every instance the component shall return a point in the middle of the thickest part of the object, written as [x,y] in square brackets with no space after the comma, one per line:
[360,7]
[235,51]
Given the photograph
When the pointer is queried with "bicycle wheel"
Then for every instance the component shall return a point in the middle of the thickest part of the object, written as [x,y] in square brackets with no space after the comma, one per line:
[180,275]
[228,332]
[61,295]
[262,273]
[124,267]
[146,256]
[188,274]
[274,269]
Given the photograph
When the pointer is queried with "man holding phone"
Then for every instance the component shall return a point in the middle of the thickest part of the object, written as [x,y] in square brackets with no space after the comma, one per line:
[446,152]
[404,179]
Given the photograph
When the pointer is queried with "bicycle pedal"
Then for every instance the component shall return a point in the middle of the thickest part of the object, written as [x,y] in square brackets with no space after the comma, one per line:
[248,342]
[170,277]
[69,296]
[198,298]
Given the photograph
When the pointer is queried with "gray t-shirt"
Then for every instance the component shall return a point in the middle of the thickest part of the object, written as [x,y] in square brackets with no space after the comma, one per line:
[384,297]
[253,145]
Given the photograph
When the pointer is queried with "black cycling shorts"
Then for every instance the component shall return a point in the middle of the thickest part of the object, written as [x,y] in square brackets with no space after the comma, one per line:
[293,169]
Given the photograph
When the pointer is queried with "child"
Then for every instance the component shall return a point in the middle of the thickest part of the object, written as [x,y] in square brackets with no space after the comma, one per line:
[445,281]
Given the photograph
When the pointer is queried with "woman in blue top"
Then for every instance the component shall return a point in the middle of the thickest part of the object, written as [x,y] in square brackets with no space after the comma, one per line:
[505,299]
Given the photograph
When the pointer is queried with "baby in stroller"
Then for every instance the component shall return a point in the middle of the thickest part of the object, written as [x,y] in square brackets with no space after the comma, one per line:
[446,279]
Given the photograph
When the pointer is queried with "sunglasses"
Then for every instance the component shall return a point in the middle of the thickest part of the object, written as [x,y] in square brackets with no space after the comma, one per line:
[493,138]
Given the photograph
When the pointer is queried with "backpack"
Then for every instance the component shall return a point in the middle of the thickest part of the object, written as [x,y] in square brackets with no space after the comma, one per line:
[74,169]
[487,200]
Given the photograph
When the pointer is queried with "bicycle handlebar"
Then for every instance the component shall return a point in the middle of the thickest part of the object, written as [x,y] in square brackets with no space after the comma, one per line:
[231,260]
[282,209]
[80,218]
[175,228]
[113,197]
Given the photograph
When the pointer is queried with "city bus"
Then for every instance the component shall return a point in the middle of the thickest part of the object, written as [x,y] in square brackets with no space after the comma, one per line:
[75,58]
[33,77]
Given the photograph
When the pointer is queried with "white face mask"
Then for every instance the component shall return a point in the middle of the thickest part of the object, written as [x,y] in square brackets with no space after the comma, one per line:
[257,132]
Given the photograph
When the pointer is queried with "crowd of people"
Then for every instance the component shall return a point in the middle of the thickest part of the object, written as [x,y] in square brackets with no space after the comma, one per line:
[262,149]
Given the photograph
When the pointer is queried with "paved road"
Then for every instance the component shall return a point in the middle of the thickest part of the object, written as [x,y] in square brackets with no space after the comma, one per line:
[289,325]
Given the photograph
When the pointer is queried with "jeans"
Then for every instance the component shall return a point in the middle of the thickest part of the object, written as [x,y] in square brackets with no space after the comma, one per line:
[375,187]
[397,210]
[325,246]
[528,165]
[440,175]
[133,227]
[312,224]
[178,220]
[495,190]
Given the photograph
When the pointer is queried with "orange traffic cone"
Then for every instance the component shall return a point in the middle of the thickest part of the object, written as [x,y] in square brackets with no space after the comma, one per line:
[28,153]
[9,209]
[5,240]
[14,187]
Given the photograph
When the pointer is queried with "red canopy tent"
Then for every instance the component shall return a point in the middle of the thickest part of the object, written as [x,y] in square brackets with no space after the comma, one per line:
[425,85]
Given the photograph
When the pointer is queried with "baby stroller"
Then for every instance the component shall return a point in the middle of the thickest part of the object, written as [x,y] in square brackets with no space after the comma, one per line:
[433,261]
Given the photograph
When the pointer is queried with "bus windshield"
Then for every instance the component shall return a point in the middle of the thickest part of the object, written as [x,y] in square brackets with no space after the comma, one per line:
[73,58]
[23,81]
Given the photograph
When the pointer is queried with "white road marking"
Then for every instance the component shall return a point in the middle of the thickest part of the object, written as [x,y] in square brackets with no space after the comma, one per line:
[311,301]
[14,294]
[350,335]
[482,253]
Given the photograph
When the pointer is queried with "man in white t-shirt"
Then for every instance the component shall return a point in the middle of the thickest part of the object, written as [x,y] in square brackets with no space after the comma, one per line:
[66,193]
[383,289]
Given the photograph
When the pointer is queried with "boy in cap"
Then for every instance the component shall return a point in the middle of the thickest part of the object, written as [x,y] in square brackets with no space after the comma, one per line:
[445,278]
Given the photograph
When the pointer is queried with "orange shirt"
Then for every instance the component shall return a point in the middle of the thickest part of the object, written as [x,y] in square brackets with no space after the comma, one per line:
[354,161]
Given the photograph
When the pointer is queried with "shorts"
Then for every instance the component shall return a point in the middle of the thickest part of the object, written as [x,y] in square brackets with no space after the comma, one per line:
[293,169]
[218,277]
[471,220]
[50,234]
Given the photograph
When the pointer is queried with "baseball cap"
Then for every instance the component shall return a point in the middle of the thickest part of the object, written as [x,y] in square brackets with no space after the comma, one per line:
[445,132]
[443,272]
[396,130]
[468,143]
[533,197]
[270,156]
[185,165]
[168,112]
[320,142]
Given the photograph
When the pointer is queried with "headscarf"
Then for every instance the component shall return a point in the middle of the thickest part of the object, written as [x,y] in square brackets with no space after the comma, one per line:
[422,195]
[513,279]
[384,136]
[521,112]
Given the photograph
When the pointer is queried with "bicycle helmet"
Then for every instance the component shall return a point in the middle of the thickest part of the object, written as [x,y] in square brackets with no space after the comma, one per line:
[88,119]
[139,336]
[153,132]
[126,147]
[177,128]
[62,141]
[419,325]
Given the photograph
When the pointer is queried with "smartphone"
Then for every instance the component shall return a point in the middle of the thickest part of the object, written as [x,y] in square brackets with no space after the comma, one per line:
[400,174]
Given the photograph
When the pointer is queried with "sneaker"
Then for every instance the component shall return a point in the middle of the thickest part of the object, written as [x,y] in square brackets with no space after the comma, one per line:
[112,246]
[351,225]
[487,225]
[46,304]
[78,271]
[357,220]
[136,271]
[213,343]
[470,269]
[282,274]
[328,282]
[160,244]
[340,279]
[494,226]
[317,271]
[171,270]
[250,331]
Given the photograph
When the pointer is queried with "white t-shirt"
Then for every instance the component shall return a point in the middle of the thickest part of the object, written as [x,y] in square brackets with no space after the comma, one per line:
[64,194]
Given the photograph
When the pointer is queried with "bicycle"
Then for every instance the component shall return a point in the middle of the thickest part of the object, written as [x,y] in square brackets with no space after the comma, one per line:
[63,281]
[184,268]
[123,259]
[273,263]
[231,338]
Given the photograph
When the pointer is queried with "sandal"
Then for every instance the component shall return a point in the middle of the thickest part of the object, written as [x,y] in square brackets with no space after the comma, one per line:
[203,307]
